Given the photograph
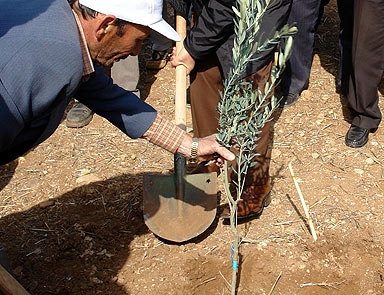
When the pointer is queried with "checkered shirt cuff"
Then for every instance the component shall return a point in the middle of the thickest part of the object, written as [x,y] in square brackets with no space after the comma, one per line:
[165,134]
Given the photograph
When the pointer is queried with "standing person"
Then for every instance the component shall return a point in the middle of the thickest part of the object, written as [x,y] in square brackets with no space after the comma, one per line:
[161,46]
[306,15]
[207,54]
[345,11]
[60,49]
[368,67]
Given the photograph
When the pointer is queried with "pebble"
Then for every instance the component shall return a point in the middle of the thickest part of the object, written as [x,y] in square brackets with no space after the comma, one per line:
[315,155]
[306,94]
[18,270]
[96,280]
[369,161]
[275,154]
[86,179]
[359,171]
[133,157]
[46,204]
[84,171]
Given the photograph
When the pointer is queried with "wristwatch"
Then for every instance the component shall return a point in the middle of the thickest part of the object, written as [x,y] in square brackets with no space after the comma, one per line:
[194,148]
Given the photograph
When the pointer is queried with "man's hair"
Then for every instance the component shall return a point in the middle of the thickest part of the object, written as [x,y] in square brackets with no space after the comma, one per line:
[87,12]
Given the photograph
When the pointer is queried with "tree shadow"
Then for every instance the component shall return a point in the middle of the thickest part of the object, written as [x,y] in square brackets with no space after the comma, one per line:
[6,173]
[298,212]
[79,243]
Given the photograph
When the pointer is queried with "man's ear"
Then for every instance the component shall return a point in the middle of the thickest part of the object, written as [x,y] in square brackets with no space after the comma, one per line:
[105,24]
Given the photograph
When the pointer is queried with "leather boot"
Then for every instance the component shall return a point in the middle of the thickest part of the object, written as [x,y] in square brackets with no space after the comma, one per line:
[253,200]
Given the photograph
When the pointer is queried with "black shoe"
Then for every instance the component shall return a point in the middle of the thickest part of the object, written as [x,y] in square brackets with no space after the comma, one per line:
[289,100]
[79,116]
[159,59]
[357,137]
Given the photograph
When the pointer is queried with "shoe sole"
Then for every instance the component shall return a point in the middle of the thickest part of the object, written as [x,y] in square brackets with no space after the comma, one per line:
[356,145]
[78,124]
[266,201]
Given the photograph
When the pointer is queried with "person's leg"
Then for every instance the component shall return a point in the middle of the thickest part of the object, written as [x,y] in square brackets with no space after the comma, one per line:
[345,10]
[368,63]
[295,77]
[259,174]
[206,81]
[368,66]
[160,46]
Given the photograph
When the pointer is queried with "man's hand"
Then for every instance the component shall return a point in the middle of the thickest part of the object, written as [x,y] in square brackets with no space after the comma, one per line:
[208,146]
[183,58]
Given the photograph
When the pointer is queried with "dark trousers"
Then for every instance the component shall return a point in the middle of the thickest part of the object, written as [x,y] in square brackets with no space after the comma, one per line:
[206,81]
[367,62]
[306,14]
[345,10]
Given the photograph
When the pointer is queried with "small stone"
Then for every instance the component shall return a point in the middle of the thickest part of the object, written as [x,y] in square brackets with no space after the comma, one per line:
[133,157]
[46,204]
[102,252]
[275,154]
[369,161]
[87,179]
[315,155]
[306,94]
[17,270]
[96,280]
[84,171]
[359,171]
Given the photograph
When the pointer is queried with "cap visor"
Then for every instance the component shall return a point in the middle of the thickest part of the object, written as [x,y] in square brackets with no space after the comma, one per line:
[165,29]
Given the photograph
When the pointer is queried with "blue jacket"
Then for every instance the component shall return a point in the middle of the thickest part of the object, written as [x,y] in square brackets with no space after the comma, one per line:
[40,71]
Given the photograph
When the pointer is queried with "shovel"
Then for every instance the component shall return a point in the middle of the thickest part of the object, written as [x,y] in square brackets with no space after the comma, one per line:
[180,207]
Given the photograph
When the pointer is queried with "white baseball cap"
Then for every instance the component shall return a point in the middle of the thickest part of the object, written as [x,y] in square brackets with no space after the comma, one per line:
[143,12]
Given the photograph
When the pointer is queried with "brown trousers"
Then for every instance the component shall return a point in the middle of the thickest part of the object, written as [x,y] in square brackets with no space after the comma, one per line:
[206,81]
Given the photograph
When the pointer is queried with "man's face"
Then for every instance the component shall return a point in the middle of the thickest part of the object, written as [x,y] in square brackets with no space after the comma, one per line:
[118,44]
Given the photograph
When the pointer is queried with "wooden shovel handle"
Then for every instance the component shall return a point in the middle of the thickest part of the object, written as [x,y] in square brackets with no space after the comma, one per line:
[9,285]
[181,78]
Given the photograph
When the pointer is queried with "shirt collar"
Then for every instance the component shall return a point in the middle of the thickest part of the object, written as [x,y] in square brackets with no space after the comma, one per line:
[87,60]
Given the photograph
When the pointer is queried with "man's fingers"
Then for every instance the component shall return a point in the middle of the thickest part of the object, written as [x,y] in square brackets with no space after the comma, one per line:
[226,154]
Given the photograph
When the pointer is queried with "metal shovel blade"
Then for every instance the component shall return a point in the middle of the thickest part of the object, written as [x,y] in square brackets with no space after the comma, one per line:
[176,219]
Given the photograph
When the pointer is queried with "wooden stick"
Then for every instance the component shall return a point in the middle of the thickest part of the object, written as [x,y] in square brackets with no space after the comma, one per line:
[9,285]
[274,285]
[309,219]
